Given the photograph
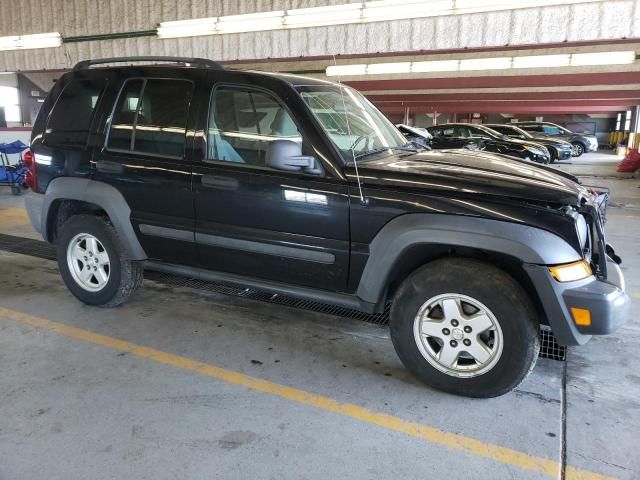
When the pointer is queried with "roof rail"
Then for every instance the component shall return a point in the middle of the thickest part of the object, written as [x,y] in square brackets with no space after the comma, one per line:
[201,62]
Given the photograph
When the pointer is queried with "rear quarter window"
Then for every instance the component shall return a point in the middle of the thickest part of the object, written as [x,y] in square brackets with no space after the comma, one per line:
[70,119]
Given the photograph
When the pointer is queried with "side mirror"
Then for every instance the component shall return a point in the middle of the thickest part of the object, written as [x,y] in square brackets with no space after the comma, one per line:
[287,155]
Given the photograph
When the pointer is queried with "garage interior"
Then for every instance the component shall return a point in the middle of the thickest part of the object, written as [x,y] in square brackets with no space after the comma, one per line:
[193,379]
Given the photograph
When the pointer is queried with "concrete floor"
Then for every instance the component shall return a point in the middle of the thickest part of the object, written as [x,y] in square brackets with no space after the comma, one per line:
[77,405]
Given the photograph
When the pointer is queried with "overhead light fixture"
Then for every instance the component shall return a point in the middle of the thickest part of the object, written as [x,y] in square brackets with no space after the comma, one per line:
[380,10]
[492,63]
[322,16]
[396,67]
[27,42]
[187,28]
[540,61]
[603,58]
[357,12]
[251,22]
[436,66]
[338,70]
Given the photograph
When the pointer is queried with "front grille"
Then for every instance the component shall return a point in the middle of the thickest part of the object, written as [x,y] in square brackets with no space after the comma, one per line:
[549,347]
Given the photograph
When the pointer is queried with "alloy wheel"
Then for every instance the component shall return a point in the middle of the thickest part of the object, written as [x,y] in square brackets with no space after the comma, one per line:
[577,149]
[458,335]
[88,262]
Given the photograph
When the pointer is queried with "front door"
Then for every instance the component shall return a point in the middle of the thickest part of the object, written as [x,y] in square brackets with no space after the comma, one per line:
[144,158]
[258,219]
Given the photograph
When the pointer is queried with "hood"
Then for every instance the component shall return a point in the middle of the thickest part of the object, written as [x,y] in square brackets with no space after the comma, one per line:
[471,172]
[545,140]
[532,141]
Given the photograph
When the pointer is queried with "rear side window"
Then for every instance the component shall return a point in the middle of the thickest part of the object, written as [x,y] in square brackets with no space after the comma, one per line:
[532,128]
[551,129]
[243,122]
[150,117]
[70,119]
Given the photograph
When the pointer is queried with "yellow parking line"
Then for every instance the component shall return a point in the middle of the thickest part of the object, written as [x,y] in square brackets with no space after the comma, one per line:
[424,432]
[13,217]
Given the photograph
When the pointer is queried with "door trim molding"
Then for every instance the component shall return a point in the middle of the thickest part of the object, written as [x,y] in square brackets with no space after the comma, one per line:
[287,251]
[165,232]
[295,253]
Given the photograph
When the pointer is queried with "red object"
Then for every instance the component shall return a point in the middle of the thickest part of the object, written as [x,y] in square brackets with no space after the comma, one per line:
[630,163]
[30,178]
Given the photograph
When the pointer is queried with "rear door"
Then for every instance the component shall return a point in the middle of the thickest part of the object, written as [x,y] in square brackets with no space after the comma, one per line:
[256,220]
[146,156]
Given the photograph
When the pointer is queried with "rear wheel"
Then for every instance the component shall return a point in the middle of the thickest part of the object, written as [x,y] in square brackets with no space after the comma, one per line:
[577,149]
[465,327]
[94,263]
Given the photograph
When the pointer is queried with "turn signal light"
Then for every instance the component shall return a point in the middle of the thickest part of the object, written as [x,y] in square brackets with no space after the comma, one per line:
[581,316]
[570,272]
[30,176]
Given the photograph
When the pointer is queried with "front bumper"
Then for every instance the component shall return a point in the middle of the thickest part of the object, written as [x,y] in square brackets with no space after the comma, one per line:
[592,146]
[564,154]
[606,301]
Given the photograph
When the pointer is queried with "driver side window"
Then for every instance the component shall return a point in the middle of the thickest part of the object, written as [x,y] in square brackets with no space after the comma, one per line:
[242,123]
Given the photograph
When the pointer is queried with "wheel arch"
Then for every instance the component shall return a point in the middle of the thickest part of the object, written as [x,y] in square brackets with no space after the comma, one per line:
[410,241]
[68,196]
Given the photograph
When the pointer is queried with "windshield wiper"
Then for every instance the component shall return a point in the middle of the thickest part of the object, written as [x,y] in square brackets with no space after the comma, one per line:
[371,152]
[402,148]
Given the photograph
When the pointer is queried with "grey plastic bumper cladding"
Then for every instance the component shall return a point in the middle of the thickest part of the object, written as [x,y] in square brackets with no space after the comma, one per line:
[607,303]
[33,203]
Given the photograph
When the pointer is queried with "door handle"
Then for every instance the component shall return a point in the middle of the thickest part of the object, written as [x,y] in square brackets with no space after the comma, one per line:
[109,167]
[221,183]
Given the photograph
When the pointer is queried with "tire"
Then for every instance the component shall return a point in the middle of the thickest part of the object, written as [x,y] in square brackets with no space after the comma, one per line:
[514,342]
[577,150]
[115,275]
[16,190]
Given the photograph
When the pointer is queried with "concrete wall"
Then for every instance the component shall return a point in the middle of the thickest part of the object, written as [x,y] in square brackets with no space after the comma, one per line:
[596,20]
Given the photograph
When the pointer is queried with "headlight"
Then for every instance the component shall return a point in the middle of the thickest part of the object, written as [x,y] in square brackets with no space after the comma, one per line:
[536,150]
[570,272]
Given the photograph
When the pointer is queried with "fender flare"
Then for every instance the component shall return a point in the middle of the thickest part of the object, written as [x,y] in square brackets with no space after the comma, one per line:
[101,194]
[529,244]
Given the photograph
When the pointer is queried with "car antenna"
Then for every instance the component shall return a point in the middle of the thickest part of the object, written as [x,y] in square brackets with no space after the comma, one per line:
[353,152]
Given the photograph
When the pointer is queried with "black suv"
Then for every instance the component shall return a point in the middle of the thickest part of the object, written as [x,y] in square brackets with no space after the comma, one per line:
[479,137]
[581,142]
[559,149]
[302,187]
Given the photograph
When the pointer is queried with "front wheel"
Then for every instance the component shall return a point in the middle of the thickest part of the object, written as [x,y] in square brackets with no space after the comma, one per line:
[94,263]
[577,149]
[465,327]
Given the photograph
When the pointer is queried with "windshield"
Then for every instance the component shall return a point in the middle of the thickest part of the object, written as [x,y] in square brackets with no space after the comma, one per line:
[491,132]
[511,131]
[352,123]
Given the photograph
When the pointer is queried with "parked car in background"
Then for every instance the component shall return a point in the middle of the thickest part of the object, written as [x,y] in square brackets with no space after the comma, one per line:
[581,143]
[466,135]
[417,135]
[559,149]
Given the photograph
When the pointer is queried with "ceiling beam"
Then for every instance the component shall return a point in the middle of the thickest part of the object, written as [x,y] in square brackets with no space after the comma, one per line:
[626,95]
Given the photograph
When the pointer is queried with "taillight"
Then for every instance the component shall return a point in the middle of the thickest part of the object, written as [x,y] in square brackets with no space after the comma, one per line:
[30,179]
